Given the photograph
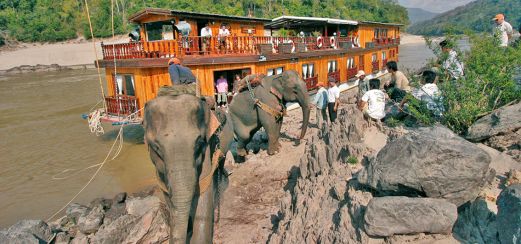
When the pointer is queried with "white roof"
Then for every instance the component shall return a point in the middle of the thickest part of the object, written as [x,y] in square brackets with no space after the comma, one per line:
[327,20]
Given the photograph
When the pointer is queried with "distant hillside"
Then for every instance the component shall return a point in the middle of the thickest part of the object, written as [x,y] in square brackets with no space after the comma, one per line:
[46,20]
[475,16]
[435,6]
[417,15]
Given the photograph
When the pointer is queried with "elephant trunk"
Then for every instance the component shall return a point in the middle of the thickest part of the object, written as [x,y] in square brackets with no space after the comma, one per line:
[183,179]
[303,101]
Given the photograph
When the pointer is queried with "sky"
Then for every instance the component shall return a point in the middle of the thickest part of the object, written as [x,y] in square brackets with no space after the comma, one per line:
[436,6]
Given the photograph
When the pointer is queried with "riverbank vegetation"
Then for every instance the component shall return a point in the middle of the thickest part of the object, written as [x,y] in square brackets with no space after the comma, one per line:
[50,21]
[475,16]
[492,80]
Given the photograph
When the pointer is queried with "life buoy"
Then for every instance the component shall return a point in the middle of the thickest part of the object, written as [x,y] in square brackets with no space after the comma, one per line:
[332,41]
[320,41]
[292,46]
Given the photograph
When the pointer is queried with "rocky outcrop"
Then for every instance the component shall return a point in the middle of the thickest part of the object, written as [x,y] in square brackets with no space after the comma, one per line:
[322,206]
[431,162]
[509,215]
[501,130]
[136,219]
[388,216]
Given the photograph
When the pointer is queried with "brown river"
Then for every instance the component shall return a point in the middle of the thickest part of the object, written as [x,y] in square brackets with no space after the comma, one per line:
[43,137]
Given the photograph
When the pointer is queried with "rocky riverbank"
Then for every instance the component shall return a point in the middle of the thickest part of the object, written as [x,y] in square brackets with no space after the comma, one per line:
[350,183]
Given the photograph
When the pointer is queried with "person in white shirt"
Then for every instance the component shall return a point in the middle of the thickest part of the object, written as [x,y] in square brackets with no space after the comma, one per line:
[222,37]
[503,30]
[452,65]
[333,95]
[373,101]
[206,34]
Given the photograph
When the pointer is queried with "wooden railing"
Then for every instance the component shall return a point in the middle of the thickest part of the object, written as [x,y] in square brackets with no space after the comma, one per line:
[197,45]
[311,82]
[335,75]
[386,41]
[121,105]
[376,66]
[351,72]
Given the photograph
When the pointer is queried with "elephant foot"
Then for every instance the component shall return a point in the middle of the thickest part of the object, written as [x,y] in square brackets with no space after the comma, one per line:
[296,142]
[240,159]
[272,151]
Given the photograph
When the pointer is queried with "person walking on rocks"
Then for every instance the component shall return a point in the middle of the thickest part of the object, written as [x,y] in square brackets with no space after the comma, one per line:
[363,83]
[333,95]
[452,65]
[320,101]
[503,30]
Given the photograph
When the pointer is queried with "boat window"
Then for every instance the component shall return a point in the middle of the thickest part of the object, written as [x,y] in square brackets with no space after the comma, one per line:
[350,63]
[124,84]
[374,58]
[159,31]
[308,70]
[275,71]
[332,66]
[384,55]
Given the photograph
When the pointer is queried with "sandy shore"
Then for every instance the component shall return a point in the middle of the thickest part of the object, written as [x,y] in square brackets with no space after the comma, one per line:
[77,52]
[82,52]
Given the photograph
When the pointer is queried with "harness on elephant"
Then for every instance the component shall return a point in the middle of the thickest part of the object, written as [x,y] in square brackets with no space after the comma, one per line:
[277,113]
[215,126]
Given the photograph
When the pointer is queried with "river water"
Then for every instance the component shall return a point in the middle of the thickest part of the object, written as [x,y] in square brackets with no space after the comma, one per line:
[42,135]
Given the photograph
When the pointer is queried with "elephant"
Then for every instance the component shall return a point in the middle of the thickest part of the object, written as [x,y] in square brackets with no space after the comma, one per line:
[182,145]
[274,91]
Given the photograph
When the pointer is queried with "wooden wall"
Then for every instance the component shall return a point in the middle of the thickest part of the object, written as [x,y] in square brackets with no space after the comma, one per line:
[149,80]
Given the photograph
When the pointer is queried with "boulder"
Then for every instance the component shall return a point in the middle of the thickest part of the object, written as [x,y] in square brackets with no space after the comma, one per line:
[74,211]
[388,216]
[476,223]
[119,198]
[116,231]
[139,206]
[90,223]
[105,203]
[38,228]
[152,227]
[431,162]
[509,215]
[501,121]
[19,238]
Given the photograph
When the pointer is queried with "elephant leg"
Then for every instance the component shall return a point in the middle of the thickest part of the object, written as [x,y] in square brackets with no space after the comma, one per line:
[204,214]
[273,131]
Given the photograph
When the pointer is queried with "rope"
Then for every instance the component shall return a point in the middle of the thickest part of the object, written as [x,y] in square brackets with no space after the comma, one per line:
[94,121]
[96,54]
[207,180]
[113,40]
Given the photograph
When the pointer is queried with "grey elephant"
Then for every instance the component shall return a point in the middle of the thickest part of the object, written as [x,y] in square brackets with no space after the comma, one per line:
[248,116]
[179,132]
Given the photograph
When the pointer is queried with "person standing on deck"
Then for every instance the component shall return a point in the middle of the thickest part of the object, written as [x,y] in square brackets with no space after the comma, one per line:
[222,91]
[320,101]
[503,30]
[206,34]
[333,95]
[223,35]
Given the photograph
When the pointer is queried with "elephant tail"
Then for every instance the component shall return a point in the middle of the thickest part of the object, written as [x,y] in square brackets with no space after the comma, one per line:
[222,182]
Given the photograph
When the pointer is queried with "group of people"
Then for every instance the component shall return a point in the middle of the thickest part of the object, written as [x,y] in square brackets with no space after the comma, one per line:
[222,38]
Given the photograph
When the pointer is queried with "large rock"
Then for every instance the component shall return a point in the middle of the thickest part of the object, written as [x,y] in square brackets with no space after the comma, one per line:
[387,216]
[501,121]
[116,231]
[19,238]
[74,211]
[509,215]
[432,162]
[90,223]
[476,223]
[38,228]
[139,206]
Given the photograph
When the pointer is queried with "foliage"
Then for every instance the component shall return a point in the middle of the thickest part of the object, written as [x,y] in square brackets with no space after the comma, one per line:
[48,20]
[489,83]
[476,16]
[352,160]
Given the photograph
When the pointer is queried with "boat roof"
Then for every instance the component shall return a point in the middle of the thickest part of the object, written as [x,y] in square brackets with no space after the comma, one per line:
[380,23]
[137,17]
[294,21]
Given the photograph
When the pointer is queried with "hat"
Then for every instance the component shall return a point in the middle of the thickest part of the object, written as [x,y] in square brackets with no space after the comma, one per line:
[174,61]
[360,73]
[499,17]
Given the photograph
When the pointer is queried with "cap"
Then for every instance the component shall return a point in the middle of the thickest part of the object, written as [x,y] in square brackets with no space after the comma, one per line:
[499,17]
[360,73]
[174,61]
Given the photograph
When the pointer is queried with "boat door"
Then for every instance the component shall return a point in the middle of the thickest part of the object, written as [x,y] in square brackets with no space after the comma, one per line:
[125,101]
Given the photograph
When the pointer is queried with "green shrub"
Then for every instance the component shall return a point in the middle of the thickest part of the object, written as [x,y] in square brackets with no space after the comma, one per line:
[352,160]
[488,84]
